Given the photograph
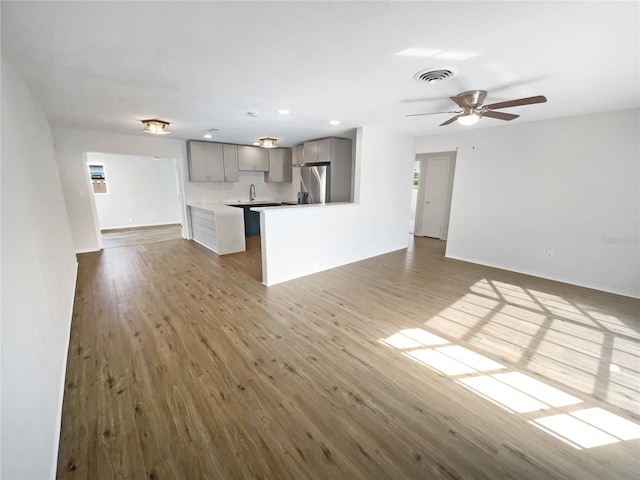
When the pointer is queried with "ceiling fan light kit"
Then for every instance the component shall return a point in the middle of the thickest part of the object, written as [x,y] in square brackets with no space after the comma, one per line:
[468,119]
[473,109]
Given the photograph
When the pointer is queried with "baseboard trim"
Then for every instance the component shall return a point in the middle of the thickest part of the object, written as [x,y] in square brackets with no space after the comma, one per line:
[139,227]
[599,288]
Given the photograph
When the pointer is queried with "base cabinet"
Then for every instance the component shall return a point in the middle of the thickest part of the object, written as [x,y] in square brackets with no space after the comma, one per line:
[221,231]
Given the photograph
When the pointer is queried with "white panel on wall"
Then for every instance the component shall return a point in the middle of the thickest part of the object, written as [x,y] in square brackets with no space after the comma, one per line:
[141,191]
[38,281]
[557,199]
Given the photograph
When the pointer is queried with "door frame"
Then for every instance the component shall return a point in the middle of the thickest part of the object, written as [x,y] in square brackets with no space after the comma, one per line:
[424,158]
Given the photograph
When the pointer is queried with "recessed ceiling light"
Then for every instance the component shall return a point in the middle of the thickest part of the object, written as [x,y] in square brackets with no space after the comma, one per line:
[283,111]
[334,122]
[209,132]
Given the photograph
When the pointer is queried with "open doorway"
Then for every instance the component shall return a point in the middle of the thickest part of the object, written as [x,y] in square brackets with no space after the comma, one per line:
[137,198]
[433,200]
[414,196]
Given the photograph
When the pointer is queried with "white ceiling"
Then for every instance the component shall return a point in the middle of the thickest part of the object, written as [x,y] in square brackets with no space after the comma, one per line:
[107,65]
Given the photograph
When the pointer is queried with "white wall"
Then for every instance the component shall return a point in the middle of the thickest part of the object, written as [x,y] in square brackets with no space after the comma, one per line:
[38,275]
[71,149]
[141,191]
[568,185]
[213,192]
[308,239]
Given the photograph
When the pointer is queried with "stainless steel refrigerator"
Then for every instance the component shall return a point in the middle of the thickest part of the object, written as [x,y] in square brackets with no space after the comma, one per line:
[315,186]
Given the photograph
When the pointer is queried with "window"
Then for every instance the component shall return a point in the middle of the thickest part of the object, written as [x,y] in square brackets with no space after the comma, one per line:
[98,179]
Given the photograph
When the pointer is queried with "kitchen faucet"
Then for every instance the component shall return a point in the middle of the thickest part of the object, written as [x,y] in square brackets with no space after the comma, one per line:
[252,192]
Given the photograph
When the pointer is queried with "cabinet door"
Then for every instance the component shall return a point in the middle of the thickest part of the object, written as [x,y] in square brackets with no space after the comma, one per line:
[279,166]
[253,159]
[215,162]
[324,150]
[230,155]
[311,152]
[246,158]
[287,174]
[197,162]
[262,160]
[205,162]
[276,160]
[297,155]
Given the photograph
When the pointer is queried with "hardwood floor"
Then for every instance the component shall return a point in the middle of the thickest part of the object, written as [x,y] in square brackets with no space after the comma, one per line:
[182,365]
[125,237]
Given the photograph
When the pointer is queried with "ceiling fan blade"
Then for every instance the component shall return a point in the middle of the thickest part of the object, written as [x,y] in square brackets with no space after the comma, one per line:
[500,115]
[430,113]
[518,102]
[462,102]
[451,120]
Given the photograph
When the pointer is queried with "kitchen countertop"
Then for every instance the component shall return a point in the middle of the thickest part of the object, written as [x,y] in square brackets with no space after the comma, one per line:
[242,203]
[218,208]
[303,205]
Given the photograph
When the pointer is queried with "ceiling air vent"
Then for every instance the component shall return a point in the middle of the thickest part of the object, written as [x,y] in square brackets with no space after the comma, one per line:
[433,76]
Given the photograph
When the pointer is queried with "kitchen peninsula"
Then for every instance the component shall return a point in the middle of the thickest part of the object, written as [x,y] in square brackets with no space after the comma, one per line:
[218,227]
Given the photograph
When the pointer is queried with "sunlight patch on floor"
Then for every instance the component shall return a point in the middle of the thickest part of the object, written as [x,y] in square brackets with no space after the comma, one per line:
[574,430]
[502,394]
[515,391]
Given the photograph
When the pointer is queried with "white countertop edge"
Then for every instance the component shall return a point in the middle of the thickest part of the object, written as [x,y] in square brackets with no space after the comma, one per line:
[215,207]
[305,205]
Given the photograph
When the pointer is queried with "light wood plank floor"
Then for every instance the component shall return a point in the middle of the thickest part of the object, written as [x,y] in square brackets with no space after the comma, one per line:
[125,237]
[404,366]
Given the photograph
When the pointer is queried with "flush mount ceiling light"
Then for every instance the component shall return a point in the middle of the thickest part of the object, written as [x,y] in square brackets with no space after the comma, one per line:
[157,127]
[283,111]
[267,142]
[334,122]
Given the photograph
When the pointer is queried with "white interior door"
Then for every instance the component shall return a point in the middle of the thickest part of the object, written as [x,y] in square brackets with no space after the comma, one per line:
[433,197]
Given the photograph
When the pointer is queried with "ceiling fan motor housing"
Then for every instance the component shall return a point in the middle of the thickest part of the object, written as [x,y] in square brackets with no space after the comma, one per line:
[474,97]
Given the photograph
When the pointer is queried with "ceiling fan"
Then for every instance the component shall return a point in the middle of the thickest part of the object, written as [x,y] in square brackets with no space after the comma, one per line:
[473,109]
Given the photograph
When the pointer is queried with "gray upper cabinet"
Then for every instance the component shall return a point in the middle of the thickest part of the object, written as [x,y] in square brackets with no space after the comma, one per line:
[279,165]
[206,163]
[230,156]
[212,162]
[253,159]
[297,154]
[317,151]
